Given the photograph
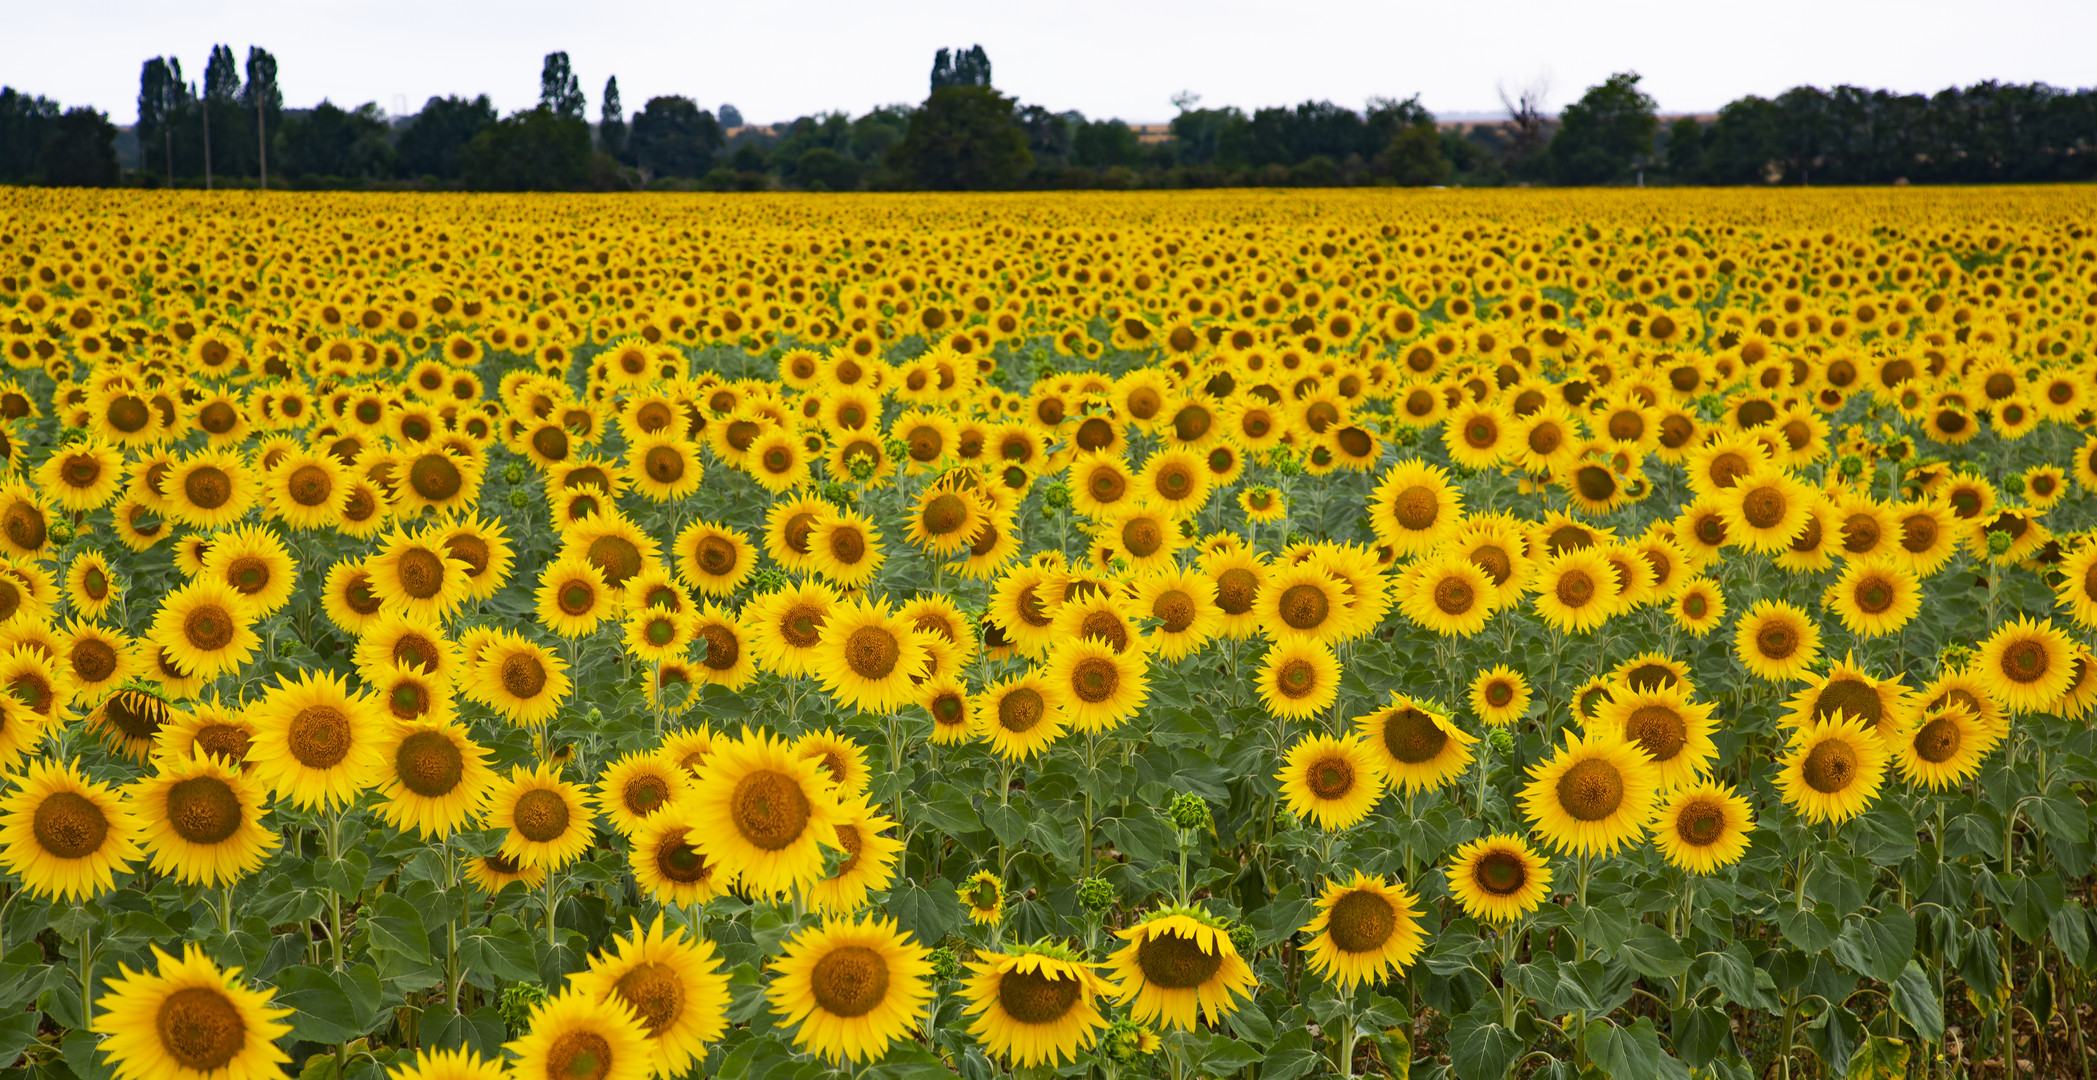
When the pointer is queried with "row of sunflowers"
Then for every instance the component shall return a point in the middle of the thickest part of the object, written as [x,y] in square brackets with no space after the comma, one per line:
[1273,635]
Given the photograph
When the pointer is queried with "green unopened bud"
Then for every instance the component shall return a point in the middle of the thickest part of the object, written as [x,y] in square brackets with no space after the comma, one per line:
[1242,938]
[1851,466]
[1055,496]
[1998,543]
[516,1004]
[513,473]
[895,449]
[1126,1041]
[519,499]
[1187,811]
[1502,741]
[2013,483]
[771,579]
[1095,894]
[861,467]
[835,493]
[61,532]
[944,964]
[1405,436]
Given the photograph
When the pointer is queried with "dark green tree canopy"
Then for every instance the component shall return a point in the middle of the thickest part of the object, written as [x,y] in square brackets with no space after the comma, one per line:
[964,138]
[431,144]
[560,92]
[262,85]
[336,142]
[26,123]
[1605,134]
[537,150]
[673,136]
[969,67]
[81,151]
[611,121]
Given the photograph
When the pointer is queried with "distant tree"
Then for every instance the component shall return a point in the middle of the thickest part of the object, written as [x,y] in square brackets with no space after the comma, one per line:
[1198,135]
[331,141]
[535,150]
[25,125]
[431,143]
[1606,133]
[264,103]
[970,67]
[964,138]
[559,91]
[1414,157]
[1049,134]
[1685,150]
[81,151]
[611,121]
[1386,117]
[824,169]
[1104,144]
[1526,123]
[162,100]
[731,117]
[1742,145]
[876,133]
[672,136]
[221,110]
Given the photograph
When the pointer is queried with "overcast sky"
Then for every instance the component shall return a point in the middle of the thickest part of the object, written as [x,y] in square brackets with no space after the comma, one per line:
[778,60]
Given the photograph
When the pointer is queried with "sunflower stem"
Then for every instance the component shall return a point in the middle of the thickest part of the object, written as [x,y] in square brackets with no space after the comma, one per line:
[225,909]
[87,973]
[551,903]
[333,836]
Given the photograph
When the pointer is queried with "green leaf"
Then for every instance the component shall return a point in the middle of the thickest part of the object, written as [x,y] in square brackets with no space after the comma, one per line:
[501,950]
[931,911]
[1281,917]
[2065,818]
[1809,931]
[17,1031]
[948,809]
[1915,1000]
[1291,1057]
[1653,954]
[1007,823]
[481,1031]
[1739,979]
[1481,1047]
[81,1054]
[1835,1036]
[2069,926]
[1631,1053]
[396,927]
[1876,948]
[1221,1055]
[323,1011]
[1700,1034]
[1880,1058]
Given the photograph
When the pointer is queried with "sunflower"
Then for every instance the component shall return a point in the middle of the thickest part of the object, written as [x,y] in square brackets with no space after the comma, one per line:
[1927,535]
[1451,596]
[578,1035]
[673,983]
[786,626]
[867,657]
[25,525]
[573,597]
[411,697]
[365,510]
[492,873]
[1099,687]
[789,526]
[1019,716]
[1702,826]
[1184,604]
[205,628]
[92,660]
[549,820]
[982,895]
[845,547]
[664,467]
[460,1064]
[1592,797]
[1776,641]
[1575,591]
[1364,930]
[435,779]
[1764,510]
[1035,1005]
[417,575]
[347,597]
[91,586]
[1332,782]
[1874,597]
[1143,535]
[1414,507]
[1100,484]
[65,835]
[208,489]
[253,562]
[316,744]
[725,658]
[763,814]
[1179,965]
[1498,878]
[1943,747]
[714,559]
[1833,771]
[1699,606]
[944,522]
[82,475]
[396,638]
[2026,665]
[1240,577]
[1674,732]
[201,820]
[852,987]
[190,1020]
[869,863]
[1301,600]
[206,729]
[1500,695]
[953,712]
[1174,481]
[637,787]
[1847,688]
[1101,615]
[1419,748]
[668,866]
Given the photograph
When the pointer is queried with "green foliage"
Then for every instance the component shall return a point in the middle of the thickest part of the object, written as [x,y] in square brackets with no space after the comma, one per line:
[530,151]
[1606,133]
[963,139]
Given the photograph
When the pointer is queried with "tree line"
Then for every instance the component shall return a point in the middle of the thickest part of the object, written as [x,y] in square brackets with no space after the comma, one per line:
[232,128]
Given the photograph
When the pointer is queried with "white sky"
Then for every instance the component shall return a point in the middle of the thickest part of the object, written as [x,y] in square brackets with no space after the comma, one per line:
[776,60]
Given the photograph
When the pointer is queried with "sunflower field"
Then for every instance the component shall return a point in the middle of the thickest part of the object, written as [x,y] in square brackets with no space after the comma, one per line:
[1274,635]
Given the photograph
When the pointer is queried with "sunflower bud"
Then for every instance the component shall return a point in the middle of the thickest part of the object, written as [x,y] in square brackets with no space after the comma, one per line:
[1055,497]
[894,448]
[513,473]
[516,1004]
[1403,435]
[1242,938]
[771,579]
[1095,894]
[1851,467]
[61,532]
[835,493]
[2013,483]
[1501,740]
[1126,1041]
[944,965]
[519,499]
[861,467]
[1187,812]
[1998,543]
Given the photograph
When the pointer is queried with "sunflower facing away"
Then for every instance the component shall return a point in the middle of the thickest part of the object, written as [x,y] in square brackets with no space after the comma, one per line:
[1498,878]
[1332,782]
[1703,826]
[1034,1005]
[1593,796]
[189,1020]
[763,814]
[853,987]
[65,835]
[1364,931]
[1179,967]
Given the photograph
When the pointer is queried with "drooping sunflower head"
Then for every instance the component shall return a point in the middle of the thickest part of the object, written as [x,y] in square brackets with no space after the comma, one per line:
[1179,967]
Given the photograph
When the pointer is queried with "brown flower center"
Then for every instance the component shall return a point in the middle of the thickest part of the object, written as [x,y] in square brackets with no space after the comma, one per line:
[769,809]
[203,810]
[1173,962]
[541,816]
[1361,921]
[1031,997]
[200,1028]
[849,981]
[1591,790]
[429,764]
[69,826]
[1831,766]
